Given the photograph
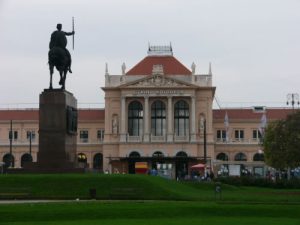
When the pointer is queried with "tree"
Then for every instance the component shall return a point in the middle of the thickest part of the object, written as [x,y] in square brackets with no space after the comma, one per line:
[282,142]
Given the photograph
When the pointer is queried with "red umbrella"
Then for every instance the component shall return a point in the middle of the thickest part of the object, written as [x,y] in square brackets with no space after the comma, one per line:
[198,166]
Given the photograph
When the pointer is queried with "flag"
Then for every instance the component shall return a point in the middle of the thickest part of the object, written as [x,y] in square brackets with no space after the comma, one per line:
[226,123]
[262,125]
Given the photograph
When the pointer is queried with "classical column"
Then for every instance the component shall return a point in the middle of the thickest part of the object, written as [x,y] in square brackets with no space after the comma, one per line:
[123,120]
[193,119]
[146,120]
[170,132]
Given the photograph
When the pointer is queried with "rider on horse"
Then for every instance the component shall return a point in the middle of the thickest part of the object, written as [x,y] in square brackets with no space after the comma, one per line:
[58,39]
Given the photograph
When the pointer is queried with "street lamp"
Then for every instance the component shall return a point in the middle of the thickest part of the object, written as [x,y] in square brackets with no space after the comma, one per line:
[292,99]
[203,127]
[30,142]
[10,144]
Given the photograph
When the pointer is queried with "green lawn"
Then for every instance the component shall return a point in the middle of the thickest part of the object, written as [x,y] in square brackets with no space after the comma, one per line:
[157,212]
[134,187]
[152,200]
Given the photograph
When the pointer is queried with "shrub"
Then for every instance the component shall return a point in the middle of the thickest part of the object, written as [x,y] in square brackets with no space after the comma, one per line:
[260,182]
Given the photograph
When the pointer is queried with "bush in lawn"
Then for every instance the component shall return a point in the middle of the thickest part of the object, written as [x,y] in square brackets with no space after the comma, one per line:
[260,182]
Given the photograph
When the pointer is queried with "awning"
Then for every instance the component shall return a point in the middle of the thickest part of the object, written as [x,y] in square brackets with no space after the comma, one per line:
[198,166]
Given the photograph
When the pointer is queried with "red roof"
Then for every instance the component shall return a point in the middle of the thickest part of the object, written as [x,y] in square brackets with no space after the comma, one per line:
[171,66]
[20,114]
[91,114]
[33,114]
[99,114]
[248,114]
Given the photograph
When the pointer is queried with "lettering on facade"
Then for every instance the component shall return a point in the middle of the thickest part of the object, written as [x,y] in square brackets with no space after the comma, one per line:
[158,92]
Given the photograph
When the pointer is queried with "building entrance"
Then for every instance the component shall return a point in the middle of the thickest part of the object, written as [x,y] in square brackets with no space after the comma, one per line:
[181,166]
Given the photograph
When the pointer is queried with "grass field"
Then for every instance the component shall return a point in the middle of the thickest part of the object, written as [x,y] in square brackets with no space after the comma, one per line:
[133,187]
[161,212]
[152,200]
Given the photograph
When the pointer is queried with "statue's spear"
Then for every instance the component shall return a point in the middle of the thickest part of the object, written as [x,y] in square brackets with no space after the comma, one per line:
[73,31]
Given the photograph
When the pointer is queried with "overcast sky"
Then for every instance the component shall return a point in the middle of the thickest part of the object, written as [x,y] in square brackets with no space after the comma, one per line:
[253,45]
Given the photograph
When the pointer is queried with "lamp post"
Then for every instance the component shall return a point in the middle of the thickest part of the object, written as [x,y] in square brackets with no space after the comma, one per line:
[292,98]
[10,144]
[30,142]
[203,127]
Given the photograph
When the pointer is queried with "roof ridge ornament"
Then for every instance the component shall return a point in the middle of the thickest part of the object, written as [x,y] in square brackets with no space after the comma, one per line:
[209,70]
[193,67]
[158,69]
[160,50]
[106,69]
[123,68]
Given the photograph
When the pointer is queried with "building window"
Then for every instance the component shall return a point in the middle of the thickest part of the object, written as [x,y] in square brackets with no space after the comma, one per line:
[240,157]
[32,133]
[222,156]
[158,154]
[13,135]
[134,155]
[259,157]
[25,158]
[181,154]
[181,118]
[256,135]
[84,136]
[158,118]
[221,135]
[9,160]
[135,119]
[239,135]
[100,135]
[98,161]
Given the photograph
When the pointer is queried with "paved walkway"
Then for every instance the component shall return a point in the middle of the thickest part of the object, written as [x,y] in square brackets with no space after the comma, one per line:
[39,201]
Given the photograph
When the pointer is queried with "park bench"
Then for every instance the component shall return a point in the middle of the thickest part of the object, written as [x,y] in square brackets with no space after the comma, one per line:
[14,194]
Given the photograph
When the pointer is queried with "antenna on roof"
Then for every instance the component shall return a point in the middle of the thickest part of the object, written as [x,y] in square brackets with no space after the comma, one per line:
[209,71]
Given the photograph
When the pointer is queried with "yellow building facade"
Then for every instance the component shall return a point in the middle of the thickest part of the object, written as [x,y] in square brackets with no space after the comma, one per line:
[158,115]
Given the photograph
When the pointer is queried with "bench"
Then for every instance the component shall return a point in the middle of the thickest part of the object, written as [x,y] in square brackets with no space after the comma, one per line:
[14,193]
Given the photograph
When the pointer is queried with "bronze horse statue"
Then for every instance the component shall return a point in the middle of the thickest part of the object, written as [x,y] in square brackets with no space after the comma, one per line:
[58,57]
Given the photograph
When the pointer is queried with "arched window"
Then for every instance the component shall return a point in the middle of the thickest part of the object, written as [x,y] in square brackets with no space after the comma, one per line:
[181,154]
[222,156]
[158,154]
[25,158]
[181,118]
[98,161]
[134,155]
[135,118]
[240,157]
[158,118]
[259,157]
[9,160]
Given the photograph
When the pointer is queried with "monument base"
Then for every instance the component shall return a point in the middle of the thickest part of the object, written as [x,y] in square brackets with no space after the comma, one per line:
[57,134]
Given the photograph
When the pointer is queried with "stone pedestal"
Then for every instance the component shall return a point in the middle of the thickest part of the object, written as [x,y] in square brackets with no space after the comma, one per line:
[57,133]
[57,129]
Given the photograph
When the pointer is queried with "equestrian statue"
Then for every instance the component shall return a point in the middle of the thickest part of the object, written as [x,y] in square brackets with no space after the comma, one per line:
[59,56]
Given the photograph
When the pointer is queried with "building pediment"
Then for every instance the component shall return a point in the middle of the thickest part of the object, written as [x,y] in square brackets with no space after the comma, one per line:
[156,81]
